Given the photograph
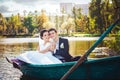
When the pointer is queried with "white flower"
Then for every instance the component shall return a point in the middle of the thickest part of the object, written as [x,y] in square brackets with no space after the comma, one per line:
[51,40]
[62,45]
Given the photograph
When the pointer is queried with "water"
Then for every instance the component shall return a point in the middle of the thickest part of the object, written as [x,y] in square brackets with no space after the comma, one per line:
[7,72]
[12,47]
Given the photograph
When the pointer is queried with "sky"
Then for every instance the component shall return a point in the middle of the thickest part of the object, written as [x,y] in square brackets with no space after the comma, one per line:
[8,7]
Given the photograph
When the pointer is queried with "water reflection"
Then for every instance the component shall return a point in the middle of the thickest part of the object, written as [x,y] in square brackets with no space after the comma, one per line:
[17,48]
[77,47]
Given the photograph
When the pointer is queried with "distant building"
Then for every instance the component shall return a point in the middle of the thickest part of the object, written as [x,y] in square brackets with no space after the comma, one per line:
[84,8]
[67,8]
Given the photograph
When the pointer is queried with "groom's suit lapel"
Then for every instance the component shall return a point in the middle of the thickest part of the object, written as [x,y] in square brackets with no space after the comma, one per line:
[59,42]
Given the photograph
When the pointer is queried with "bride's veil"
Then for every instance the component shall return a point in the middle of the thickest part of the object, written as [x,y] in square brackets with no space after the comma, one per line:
[40,40]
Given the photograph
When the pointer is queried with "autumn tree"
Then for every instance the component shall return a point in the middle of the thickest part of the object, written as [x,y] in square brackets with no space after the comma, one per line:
[41,19]
[63,16]
[79,19]
[14,23]
[48,25]
[3,23]
[69,25]
[75,18]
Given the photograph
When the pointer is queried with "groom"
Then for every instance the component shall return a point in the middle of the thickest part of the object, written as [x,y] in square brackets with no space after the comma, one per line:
[62,47]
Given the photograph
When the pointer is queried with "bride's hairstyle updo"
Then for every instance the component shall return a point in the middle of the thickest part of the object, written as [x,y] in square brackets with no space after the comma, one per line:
[42,32]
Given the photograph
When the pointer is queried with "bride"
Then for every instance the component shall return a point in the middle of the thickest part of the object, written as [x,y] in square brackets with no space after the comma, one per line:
[43,54]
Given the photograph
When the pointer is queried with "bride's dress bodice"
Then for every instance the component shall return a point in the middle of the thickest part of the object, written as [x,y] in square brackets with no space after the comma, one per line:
[43,47]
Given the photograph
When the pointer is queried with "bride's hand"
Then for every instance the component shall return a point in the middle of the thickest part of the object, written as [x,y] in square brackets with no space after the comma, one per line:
[52,47]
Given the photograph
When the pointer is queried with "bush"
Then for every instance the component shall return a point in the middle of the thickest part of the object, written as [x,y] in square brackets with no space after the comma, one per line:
[115,44]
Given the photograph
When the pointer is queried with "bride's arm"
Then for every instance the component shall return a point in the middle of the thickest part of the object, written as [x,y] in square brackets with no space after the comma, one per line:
[43,51]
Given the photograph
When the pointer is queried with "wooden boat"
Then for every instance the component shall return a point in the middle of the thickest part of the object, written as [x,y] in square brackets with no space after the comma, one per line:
[93,69]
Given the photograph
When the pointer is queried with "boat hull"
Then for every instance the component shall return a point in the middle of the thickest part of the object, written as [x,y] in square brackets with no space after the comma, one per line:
[99,69]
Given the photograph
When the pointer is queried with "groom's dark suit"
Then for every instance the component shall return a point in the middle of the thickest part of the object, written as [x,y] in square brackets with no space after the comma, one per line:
[63,52]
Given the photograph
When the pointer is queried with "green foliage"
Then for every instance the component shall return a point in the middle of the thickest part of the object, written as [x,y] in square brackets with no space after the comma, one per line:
[28,24]
[86,35]
[63,35]
[102,13]
[114,44]
[96,15]
[81,21]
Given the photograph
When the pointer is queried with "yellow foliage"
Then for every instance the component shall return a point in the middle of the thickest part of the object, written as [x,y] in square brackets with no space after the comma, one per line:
[48,25]
[42,18]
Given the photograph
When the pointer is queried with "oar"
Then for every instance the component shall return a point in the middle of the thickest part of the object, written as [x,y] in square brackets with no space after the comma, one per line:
[88,52]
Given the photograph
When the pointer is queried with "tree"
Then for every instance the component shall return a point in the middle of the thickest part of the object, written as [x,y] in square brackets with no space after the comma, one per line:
[116,6]
[28,24]
[41,19]
[75,17]
[62,18]
[116,14]
[48,25]
[18,23]
[3,23]
[82,22]
[57,21]
[78,19]
[69,25]
[103,13]
[95,15]
[34,19]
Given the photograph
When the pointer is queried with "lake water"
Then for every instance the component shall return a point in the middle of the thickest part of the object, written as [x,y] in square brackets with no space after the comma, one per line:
[12,47]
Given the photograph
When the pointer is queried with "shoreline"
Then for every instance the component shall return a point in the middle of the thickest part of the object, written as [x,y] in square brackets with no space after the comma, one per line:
[36,39]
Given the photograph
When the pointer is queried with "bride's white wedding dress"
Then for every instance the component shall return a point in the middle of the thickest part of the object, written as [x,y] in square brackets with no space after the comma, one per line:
[34,57]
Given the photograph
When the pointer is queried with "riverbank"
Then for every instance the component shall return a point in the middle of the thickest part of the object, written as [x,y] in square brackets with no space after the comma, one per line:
[7,72]
[36,39]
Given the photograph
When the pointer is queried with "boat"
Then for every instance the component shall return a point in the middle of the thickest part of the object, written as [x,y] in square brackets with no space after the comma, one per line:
[93,69]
